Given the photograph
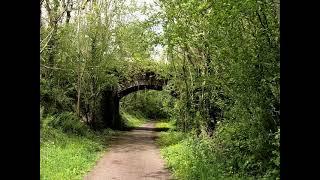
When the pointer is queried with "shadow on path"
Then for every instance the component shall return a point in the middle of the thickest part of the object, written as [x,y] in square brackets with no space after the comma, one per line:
[146,129]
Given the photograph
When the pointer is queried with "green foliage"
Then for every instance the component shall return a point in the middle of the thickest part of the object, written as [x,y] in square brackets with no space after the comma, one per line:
[225,66]
[71,161]
[193,158]
[149,103]
[133,120]
[223,62]
[165,124]
[190,160]
[96,50]
[170,138]
[229,155]
[53,98]
[68,122]
[68,155]
[41,116]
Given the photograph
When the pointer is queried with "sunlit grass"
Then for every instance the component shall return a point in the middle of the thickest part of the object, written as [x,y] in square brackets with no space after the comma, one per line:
[68,156]
[133,120]
[165,124]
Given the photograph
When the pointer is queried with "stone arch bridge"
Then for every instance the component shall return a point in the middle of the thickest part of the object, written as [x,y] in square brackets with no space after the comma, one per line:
[111,98]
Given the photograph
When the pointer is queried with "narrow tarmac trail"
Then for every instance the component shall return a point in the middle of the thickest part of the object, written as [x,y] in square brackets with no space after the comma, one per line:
[132,156]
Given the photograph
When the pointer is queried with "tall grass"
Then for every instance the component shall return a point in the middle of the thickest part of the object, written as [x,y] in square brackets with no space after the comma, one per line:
[223,156]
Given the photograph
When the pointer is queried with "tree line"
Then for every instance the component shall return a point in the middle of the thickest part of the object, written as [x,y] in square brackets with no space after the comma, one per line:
[222,58]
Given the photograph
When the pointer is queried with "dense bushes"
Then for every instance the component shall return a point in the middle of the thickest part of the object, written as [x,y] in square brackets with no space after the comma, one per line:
[246,150]
[225,66]
[68,122]
[222,157]
[54,98]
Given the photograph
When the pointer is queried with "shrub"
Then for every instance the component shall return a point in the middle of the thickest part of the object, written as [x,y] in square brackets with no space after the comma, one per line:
[231,154]
[69,123]
[55,99]
[192,158]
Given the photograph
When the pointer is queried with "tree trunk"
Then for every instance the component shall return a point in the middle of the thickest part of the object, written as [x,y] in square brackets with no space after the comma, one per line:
[79,92]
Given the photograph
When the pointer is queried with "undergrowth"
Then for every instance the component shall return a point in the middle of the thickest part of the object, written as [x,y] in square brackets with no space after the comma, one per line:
[164,123]
[135,119]
[68,148]
[223,156]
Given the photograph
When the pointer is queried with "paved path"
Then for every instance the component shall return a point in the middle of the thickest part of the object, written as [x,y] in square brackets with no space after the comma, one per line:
[132,156]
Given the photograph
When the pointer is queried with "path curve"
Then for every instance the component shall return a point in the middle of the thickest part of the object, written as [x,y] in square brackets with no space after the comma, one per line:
[132,156]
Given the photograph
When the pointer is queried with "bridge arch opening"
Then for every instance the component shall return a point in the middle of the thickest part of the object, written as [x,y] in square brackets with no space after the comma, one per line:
[145,103]
[111,98]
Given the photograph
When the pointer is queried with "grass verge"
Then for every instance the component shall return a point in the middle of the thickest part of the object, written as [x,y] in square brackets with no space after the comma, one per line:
[191,157]
[188,158]
[68,155]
